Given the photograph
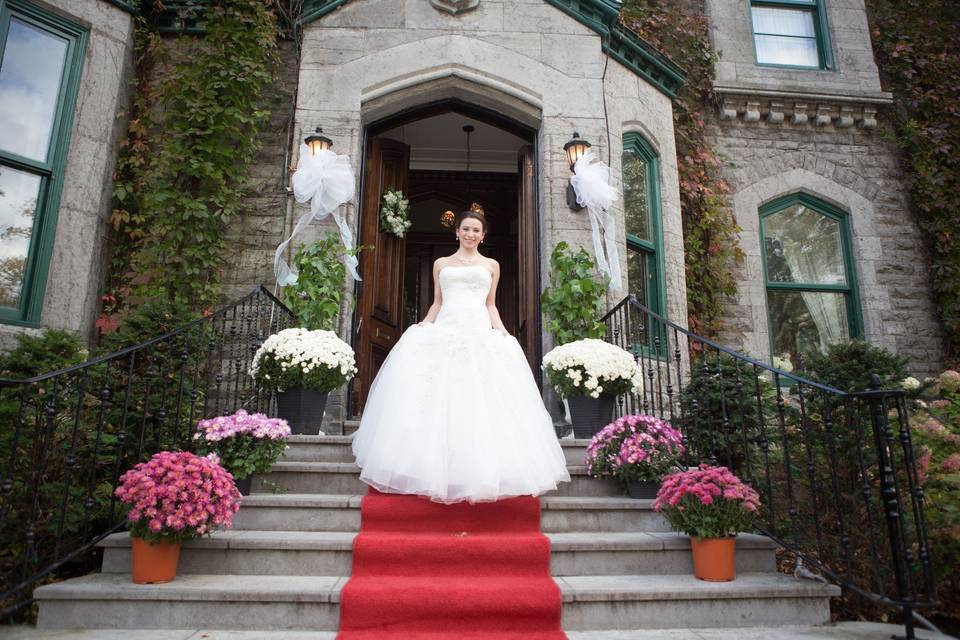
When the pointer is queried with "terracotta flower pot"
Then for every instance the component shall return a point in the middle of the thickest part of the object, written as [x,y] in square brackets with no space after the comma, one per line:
[153,563]
[714,559]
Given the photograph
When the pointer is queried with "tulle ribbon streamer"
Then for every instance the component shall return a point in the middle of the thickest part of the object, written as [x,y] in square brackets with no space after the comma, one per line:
[328,181]
[591,183]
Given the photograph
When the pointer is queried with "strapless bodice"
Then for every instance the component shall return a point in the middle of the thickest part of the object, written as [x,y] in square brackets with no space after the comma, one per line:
[464,291]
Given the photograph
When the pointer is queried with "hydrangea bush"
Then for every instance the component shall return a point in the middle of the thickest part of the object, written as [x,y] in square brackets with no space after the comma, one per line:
[635,447]
[709,502]
[246,443]
[299,358]
[177,496]
[592,367]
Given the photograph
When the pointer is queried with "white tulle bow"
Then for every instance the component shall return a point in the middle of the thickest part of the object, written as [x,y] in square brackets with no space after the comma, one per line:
[328,181]
[591,183]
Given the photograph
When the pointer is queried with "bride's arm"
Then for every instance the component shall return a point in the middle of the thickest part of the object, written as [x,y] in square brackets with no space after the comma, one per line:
[437,298]
[495,320]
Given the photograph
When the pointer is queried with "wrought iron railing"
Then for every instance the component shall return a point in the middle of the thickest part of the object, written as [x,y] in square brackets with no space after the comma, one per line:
[67,436]
[836,471]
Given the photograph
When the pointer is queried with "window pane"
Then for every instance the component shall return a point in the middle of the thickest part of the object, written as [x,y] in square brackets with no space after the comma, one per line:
[806,321]
[801,52]
[29,87]
[18,204]
[636,201]
[783,22]
[803,246]
[638,277]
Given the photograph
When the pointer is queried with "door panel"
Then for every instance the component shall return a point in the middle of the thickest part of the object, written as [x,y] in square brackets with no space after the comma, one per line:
[528,280]
[380,317]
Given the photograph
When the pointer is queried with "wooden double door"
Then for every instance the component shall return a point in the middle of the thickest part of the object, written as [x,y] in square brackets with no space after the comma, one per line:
[397,286]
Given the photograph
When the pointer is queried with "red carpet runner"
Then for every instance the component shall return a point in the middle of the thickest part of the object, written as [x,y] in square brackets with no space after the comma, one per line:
[428,571]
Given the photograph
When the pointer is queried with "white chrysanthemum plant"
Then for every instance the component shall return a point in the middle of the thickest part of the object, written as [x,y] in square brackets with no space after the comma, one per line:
[593,368]
[303,359]
[395,213]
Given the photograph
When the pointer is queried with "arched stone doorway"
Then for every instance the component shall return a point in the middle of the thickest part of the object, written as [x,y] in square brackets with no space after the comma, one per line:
[422,151]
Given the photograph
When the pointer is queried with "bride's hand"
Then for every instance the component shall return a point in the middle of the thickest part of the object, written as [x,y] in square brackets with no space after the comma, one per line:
[423,323]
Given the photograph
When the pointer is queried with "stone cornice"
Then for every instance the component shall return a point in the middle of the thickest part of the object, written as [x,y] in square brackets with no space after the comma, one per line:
[800,109]
[603,17]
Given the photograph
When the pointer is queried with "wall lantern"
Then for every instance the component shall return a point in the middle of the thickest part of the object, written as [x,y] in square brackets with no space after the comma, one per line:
[574,149]
[317,142]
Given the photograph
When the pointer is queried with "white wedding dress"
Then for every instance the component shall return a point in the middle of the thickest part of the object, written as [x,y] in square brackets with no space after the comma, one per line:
[454,413]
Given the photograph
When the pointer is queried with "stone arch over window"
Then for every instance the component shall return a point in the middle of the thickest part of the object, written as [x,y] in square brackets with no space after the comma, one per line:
[809,276]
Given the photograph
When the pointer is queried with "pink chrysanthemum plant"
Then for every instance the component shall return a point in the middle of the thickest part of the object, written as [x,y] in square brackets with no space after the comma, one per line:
[635,447]
[246,443]
[177,496]
[709,502]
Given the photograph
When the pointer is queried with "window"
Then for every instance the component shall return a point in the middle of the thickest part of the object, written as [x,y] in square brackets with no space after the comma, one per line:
[810,282]
[641,208]
[39,71]
[790,33]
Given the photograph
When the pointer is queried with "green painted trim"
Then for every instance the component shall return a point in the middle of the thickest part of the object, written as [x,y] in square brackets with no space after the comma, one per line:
[601,16]
[635,143]
[820,25]
[40,251]
[125,6]
[854,314]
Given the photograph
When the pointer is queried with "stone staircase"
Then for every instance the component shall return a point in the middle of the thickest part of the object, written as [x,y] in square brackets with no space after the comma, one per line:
[284,563]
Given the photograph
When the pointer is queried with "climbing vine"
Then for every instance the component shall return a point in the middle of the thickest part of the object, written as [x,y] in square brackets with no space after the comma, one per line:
[710,231]
[197,109]
[913,41]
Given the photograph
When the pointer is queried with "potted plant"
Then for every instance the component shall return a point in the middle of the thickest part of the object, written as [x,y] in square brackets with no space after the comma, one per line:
[711,505]
[637,449]
[174,496]
[302,367]
[246,443]
[590,374]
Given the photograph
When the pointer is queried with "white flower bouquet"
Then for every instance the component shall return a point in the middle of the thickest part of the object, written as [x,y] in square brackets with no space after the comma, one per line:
[394,213]
[302,359]
[591,367]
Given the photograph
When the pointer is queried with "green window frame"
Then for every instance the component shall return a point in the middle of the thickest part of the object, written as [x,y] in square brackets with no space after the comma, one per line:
[644,245]
[779,287]
[821,31]
[48,171]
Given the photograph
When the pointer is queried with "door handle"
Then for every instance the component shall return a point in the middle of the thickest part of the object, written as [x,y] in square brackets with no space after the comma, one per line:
[384,336]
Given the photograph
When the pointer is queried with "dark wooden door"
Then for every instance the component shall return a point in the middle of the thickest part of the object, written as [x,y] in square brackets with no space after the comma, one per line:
[528,281]
[380,308]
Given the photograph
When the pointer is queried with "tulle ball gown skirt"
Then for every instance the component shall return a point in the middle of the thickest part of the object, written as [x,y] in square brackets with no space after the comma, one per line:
[454,414]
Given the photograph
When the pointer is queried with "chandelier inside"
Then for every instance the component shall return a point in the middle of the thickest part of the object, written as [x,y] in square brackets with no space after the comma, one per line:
[448,217]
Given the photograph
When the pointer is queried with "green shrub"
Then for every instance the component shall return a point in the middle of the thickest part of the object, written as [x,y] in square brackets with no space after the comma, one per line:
[316,296]
[848,366]
[573,303]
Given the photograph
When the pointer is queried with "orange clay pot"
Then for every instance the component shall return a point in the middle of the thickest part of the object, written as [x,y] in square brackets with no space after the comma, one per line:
[153,563]
[714,558]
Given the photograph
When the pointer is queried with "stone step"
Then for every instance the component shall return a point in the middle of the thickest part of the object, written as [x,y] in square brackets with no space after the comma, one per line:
[303,448]
[344,478]
[834,631]
[559,514]
[669,601]
[110,600]
[329,553]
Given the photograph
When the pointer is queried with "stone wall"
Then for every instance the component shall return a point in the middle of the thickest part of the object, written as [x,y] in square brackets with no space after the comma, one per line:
[71,298]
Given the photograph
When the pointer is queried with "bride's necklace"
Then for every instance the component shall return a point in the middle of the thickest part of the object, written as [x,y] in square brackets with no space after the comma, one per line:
[463,260]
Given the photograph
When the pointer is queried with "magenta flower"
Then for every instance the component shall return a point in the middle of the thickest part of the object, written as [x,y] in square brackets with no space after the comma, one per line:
[634,447]
[708,502]
[176,495]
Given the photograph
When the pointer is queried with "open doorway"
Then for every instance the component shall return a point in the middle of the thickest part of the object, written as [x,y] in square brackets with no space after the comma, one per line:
[424,154]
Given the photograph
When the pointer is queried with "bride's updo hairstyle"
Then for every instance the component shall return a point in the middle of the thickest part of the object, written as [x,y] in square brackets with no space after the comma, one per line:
[471,213]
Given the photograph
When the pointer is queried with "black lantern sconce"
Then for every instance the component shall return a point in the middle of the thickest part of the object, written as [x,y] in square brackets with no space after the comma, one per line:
[575,149]
[318,142]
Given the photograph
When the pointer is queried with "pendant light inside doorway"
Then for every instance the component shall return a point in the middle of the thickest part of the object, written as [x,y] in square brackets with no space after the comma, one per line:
[448,217]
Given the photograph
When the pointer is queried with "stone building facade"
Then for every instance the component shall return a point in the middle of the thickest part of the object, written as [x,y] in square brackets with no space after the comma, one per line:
[393,82]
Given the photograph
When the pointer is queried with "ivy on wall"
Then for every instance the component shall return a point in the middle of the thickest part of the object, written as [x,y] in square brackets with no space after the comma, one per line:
[193,130]
[915,46]
[710,231]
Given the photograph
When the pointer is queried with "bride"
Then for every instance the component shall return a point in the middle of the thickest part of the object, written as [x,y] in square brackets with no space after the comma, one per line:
[454,413]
